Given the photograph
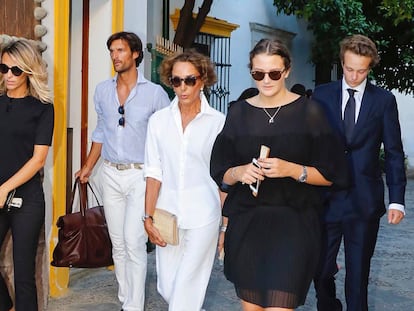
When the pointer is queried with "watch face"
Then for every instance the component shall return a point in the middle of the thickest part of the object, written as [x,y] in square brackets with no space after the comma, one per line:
[304,175]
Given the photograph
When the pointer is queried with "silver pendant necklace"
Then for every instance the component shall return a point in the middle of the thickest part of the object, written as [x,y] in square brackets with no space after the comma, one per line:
[272,118]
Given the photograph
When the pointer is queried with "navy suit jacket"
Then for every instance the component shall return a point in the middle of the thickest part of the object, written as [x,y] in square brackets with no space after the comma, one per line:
[377,125]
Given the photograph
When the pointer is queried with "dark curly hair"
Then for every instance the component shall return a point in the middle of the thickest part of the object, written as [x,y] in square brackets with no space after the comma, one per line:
[134,42]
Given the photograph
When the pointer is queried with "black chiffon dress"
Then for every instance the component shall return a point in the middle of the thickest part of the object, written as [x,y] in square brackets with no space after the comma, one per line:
[272,240]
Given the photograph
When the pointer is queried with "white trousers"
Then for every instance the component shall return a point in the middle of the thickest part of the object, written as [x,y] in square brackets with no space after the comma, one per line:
[184,270]
[123,198]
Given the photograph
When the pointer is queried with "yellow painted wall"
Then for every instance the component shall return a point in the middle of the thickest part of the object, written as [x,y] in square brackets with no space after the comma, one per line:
[59,277]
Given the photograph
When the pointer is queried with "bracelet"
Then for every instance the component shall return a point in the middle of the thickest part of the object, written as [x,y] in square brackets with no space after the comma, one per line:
[225,187]
[146,216]
[233,173]
[223,228]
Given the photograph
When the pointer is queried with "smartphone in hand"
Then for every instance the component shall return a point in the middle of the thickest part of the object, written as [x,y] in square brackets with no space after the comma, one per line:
[264,153]
[12,201]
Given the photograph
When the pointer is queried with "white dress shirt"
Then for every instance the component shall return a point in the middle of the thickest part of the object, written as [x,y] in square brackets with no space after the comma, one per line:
[180,160]
[357,95]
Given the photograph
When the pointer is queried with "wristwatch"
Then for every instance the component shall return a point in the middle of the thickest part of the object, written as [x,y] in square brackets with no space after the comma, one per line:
[146,216]
[304,176]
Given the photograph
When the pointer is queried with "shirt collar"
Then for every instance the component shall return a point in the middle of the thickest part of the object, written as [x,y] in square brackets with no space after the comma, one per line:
[204,108]
[359,88]
[141,78]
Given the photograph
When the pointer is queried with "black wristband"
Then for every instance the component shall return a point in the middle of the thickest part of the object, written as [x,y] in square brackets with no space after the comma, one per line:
[225,187]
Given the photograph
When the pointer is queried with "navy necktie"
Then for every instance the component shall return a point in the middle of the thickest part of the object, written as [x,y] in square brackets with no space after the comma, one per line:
[349,115]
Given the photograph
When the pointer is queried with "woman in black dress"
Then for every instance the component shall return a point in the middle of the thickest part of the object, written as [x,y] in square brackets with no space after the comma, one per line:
[26,127]
[272,238]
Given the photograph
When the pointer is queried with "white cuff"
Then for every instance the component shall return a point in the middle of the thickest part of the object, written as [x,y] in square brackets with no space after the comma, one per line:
[397,206]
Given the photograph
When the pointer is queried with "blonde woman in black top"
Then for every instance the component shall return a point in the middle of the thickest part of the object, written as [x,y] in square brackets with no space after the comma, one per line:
[26,127]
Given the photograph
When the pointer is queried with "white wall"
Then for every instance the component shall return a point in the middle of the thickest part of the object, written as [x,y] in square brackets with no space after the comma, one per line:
[242,12]
[48,55]
[262,12]
[406,115]
[75,74]
[99,67]
[135,20]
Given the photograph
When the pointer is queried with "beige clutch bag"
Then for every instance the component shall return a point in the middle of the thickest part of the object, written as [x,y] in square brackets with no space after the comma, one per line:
[166,223]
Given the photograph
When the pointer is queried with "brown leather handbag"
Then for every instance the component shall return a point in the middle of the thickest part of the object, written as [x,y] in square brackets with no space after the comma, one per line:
[83,238]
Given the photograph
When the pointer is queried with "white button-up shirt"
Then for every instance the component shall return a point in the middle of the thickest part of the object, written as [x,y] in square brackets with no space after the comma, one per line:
[357,95]
[180,160]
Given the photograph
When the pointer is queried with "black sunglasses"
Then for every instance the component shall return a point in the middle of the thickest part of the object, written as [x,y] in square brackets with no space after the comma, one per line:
[274,75]
[14,69]
[189,81]
[121,121]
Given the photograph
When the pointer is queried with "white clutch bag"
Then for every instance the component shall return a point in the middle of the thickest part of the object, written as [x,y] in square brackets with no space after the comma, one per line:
[166,223]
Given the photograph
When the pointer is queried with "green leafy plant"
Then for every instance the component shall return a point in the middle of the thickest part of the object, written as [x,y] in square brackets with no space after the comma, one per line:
[390,23]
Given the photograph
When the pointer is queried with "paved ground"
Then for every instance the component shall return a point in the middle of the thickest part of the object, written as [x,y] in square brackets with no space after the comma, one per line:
[391,285]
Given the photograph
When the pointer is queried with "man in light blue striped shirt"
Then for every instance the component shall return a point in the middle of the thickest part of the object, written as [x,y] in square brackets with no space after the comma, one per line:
[124,105]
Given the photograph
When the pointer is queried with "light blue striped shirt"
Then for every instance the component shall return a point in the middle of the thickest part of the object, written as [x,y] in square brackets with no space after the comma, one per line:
[126,144]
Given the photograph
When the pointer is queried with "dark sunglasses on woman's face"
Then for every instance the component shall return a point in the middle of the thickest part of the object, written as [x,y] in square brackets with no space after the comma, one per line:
[189,80]
[274,75]
[14,69]
[121,121]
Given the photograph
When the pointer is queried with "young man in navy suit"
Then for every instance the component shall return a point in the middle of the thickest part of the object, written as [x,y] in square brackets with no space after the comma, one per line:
[365,118]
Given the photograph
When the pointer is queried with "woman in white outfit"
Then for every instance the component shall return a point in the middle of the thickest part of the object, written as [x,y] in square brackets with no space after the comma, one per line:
[177,170]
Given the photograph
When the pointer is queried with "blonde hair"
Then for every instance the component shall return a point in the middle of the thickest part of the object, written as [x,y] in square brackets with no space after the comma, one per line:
[29,59]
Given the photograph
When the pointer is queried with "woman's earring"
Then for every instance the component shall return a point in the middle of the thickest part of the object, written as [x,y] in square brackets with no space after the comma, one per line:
[201,93]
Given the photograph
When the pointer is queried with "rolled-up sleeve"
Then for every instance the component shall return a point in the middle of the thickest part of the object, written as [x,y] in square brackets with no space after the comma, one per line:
[152,167]
[98,133]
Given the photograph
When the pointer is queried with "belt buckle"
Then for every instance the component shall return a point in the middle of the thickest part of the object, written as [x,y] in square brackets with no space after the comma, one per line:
[120,167]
